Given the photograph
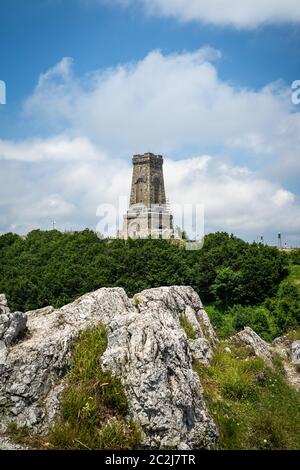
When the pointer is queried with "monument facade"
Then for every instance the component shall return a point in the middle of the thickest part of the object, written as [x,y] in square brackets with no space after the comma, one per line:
[148,214]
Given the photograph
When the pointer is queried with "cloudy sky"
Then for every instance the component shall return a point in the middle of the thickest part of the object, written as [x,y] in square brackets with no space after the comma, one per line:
[206,83]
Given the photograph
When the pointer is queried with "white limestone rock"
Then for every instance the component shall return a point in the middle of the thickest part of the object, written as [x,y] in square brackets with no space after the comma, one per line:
[255,343]
[183,302]
[289,352]
[154,357]
[11,324]
[4,310]
[3,352]
[201,350]
[295,352]
[147,349]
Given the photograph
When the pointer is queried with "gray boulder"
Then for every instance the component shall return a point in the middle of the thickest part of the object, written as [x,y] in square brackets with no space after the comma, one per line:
[147,349]
[4,310]
[201,350]
[295,352]
[12,325]
[255,343]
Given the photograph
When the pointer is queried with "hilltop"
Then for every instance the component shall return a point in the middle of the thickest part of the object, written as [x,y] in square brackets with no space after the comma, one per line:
[110,372]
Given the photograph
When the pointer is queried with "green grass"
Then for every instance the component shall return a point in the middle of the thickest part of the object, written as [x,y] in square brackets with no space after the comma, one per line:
[24,437]
[94,405]
[187,327]
[294,335]
[18,435]
[252,405]
[221,321]
[294,276]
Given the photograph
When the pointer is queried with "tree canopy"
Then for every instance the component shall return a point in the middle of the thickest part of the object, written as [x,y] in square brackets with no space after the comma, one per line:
[54,268]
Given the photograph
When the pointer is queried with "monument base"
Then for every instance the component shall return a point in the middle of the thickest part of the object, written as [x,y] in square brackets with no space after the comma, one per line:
[141,222]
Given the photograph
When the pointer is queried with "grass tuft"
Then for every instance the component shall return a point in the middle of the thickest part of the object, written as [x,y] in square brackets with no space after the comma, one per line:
[187,327]
[94,404]
[253,406]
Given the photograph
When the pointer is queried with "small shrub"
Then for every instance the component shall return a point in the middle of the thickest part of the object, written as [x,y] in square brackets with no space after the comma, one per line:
[221,321]
[257,318]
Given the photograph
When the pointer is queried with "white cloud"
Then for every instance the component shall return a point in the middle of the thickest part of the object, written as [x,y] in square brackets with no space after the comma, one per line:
[235,199]
[166,103]
[53,148]
[53,205]
[57,178]
[238,13]
[282,198]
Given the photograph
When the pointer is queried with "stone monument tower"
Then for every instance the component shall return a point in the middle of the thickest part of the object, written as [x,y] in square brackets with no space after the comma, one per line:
[148,214]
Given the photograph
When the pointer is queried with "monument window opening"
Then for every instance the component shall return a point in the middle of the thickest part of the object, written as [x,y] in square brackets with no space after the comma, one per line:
[156,190]
[139,190]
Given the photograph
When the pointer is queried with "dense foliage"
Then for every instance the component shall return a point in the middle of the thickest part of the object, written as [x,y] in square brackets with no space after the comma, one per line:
[241,285]
[53,268]
[295,256]
[276,315]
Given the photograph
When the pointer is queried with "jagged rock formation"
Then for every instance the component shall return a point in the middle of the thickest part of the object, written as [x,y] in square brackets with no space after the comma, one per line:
[295,352]
[7,444]
[4,310]
[147,348]
[255,343]
[12,325]
[288,350]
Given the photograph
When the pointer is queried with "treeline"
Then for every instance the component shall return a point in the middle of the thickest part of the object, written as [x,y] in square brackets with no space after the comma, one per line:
[275,316]
[53,268]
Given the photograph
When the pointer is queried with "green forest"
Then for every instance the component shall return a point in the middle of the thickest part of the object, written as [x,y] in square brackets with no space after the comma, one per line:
[239,283]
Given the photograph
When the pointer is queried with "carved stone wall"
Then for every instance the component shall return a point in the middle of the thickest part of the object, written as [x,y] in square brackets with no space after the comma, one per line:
[148,214]
[147,185]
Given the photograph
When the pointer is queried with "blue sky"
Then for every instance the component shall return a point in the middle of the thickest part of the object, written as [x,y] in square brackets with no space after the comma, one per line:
[36,34]
[244,150]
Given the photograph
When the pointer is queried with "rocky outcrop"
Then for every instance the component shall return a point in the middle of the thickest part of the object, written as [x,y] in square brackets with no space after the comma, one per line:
[4,310]
[147,349]
[184,304]
[12,325]
[201,350]
[254,343]
[295,352]
[284,347]
[289,351]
